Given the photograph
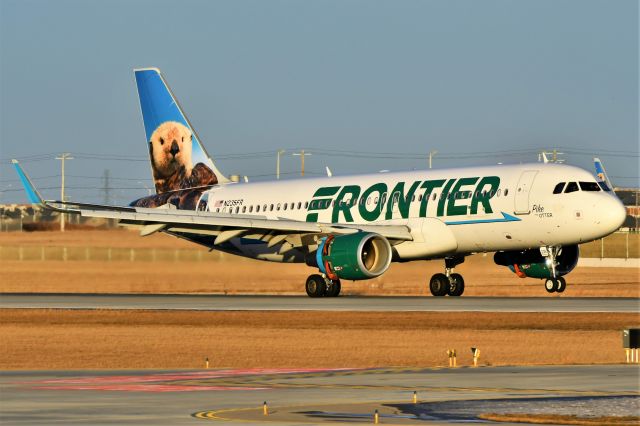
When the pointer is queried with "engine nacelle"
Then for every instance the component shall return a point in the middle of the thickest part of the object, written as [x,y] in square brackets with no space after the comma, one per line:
[531,263]
[357,256]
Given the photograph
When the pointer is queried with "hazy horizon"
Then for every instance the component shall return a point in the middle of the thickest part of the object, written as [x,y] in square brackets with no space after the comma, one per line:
[362,86]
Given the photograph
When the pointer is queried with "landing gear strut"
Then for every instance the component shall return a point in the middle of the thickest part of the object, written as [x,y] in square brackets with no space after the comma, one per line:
[555,284]
[448,283]
[319,286]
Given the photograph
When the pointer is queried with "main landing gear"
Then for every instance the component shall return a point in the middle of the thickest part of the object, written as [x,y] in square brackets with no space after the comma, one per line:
[448,283]
[319,286]
[554,284]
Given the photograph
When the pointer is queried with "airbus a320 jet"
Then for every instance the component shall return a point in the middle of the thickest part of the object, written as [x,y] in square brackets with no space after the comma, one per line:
[533,216]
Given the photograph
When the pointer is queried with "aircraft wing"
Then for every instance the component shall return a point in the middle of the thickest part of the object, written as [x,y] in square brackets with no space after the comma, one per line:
[226,226]
[223,226]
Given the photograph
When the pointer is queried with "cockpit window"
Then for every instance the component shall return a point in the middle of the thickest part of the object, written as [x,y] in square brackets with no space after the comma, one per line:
[571,187]
[589,186]
[559,187]
[604,186]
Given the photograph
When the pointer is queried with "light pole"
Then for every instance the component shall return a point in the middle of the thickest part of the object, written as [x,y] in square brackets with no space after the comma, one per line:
[62,158]
[302,154]
[431,155]
[280,152]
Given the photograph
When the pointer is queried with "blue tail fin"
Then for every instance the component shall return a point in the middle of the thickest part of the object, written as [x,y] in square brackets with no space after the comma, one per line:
[601,173]
[178,159]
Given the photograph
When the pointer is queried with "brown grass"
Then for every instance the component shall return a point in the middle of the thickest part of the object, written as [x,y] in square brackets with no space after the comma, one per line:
[219,273]
[562,419]
[59,339]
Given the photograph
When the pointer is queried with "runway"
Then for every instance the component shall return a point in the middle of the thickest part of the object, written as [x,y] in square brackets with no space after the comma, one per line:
[444,396]
[303,303]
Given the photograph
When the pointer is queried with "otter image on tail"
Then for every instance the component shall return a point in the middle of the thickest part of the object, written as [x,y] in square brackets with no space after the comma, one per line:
[170,149]
[181,167]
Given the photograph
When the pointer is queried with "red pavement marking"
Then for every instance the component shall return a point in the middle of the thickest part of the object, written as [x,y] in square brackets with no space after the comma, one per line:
[147,388]
[137,383]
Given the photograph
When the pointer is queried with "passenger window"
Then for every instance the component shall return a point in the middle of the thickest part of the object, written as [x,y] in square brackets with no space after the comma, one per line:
[559,187]
[299,205]
[589,186]
[435,196]
[271,207]
[285,206]
[420,197]
[237,209]
[258,208]
[292,206]
[506,191]
[306,204]
[218,210]
[244,209]
[571,187]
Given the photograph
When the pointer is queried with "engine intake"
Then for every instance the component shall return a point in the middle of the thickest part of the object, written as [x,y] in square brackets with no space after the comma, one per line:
[531,263]
[357,256]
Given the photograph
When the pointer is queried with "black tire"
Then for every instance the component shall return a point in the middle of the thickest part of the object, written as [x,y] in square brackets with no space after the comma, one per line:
[456,285]
[315,286]
[562,285]
[551,285]
[333,289]
[439,285]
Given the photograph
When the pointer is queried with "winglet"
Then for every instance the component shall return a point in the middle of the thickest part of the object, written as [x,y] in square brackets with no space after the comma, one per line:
[32,193]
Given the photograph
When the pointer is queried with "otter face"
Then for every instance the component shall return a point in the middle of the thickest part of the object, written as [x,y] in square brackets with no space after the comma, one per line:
[170,147]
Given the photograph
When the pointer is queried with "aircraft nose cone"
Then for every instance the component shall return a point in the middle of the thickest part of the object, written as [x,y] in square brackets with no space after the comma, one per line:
[616,214]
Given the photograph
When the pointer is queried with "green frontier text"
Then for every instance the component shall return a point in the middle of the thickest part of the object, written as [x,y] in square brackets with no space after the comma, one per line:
[458,197]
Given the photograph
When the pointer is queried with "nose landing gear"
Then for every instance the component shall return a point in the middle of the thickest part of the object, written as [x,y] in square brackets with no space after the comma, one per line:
[449,283]
[555,284]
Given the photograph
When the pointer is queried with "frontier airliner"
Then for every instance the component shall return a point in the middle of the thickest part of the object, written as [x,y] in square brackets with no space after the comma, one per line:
[533,216]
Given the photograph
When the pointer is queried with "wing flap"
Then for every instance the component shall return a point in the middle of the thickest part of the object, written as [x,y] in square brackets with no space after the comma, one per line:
[150,219]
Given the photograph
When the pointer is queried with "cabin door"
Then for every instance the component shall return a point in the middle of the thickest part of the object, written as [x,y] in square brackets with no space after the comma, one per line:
[523,189]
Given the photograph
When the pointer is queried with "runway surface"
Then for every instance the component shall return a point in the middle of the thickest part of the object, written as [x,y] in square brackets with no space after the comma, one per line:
[444,396]
[303,303]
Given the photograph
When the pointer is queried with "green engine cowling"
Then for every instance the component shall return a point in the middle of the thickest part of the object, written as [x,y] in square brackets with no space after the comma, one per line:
[357,256]
[531,263]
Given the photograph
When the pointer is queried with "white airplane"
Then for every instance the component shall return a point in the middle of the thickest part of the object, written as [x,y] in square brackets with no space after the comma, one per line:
[533,216]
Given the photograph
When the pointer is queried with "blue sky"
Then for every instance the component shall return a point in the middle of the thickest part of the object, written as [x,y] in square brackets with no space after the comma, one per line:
[480,81]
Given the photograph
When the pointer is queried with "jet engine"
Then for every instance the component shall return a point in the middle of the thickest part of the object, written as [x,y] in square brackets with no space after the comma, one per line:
[357,256]
[531,263]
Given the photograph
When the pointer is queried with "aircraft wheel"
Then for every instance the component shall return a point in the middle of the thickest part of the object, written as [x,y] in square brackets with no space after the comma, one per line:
[562,285]
[315,286]
[551,285]
[333,289]
[439,285]
[456,285]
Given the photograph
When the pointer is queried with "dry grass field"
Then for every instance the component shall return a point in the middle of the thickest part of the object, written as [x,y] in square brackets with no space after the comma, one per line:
[162,264]
[59,339]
